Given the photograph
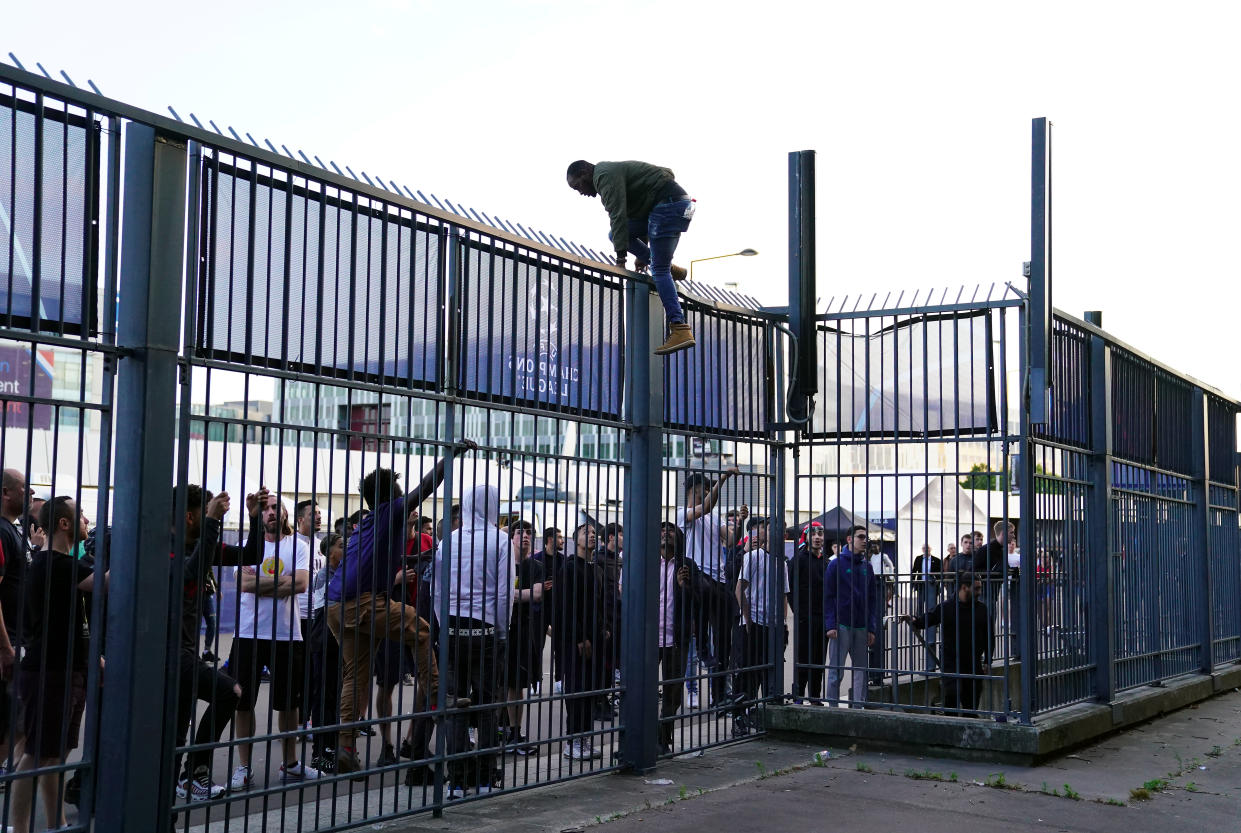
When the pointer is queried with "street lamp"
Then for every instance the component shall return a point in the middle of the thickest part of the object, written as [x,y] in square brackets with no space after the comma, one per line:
[742,253]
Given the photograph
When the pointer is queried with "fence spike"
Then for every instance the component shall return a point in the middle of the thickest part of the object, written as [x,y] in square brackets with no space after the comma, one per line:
[270,145]
[367,178]
[320,161]
[65,75]
[175,115]
[288,152]
[305,158]
[251,138]
[194,119]
[335,167]
[16,62]
[215,126]
[46,74]
[437,201]
[234,132]
[91,84]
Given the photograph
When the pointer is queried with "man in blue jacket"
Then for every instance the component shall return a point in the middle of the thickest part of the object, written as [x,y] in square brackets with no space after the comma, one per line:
[851,605]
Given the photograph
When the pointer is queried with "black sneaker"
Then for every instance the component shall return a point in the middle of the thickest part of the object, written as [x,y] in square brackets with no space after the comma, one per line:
[407,750]
[386,757]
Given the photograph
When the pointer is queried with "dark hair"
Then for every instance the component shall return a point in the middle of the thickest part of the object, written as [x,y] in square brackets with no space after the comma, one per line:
[964,578]
[549,534]
[697,479]
[854,530]
[55,511]
[380,486]
[678,537]
[302,505]
[196,497]
[611,529]
[456,510]
[754,522]
[587,525]
[578,168]
[356,517]
[330,540]
[339,526]
[518,526]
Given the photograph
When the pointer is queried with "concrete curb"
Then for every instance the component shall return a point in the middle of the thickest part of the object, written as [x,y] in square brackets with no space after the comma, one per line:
[970,739]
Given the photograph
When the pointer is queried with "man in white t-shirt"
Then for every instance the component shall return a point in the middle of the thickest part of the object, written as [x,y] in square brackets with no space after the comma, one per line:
[704,545]
[269,634]
[760,572]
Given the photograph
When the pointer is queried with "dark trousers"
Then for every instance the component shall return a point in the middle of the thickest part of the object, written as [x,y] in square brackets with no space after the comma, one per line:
[582,681]
[200,681]
[672,672]
[960,693]
[809,657]
[756,642]
[324,688]
[717,616]
[476,671]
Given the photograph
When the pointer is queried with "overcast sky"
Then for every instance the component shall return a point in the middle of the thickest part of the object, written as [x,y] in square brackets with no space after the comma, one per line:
[920,113]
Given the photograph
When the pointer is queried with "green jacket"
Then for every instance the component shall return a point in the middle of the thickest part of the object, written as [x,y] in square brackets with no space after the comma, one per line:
[628,189]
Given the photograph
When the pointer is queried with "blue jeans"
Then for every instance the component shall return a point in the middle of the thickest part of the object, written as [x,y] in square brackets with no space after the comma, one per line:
[663,228]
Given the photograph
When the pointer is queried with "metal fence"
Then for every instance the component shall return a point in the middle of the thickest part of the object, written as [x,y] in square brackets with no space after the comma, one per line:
[451,530]
[399,449]
[1123,565]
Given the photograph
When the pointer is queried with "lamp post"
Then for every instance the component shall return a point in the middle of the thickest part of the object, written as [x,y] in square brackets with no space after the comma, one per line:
[742,253]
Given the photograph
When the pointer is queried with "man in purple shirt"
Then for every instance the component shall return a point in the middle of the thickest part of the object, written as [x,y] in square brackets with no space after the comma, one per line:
[360,613]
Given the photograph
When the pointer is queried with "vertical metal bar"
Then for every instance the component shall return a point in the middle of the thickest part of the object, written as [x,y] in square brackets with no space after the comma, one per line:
[133,795]
[774,689]
[1040,268]
[1200,520]
[1101,560]
[643,498]
[1025,536]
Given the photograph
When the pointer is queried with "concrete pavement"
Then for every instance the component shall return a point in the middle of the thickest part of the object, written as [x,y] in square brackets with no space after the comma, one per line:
[1188,762]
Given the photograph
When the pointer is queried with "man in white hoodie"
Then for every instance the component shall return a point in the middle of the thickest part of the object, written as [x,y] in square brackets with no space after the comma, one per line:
[473,581]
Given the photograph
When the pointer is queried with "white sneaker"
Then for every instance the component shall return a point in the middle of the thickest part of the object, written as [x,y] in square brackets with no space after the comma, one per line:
[298,772]
[241,779]
[455,792]
[485,789]
[693,699]
[591,751]
[577,750]
[183,790]
[201,789]
[558,688]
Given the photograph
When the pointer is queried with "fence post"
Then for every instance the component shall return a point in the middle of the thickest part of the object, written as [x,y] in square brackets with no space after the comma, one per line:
[134,784]
[644,397]
[1201,521]
[1102,632]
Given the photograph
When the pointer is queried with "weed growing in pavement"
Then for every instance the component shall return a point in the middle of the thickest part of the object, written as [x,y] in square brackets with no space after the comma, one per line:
[1111,802]
[1140,794]
[1215,752]
[861,767]
[1069,792]
[924,775]
[1046,790]
[1000,782]
[1192,787]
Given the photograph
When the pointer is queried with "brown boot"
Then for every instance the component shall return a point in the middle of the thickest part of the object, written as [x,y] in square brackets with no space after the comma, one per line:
[678,273]
[680,336]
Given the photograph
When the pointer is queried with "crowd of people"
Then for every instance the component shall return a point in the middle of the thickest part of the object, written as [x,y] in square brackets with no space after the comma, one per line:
[333,623]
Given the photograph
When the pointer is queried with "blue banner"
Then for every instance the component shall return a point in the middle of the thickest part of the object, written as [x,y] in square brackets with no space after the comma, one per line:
[537,330]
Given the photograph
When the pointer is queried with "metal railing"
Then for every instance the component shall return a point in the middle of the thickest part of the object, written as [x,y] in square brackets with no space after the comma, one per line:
[184,316]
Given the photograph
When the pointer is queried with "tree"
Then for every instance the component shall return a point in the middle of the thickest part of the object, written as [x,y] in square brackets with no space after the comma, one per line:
[981,477]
